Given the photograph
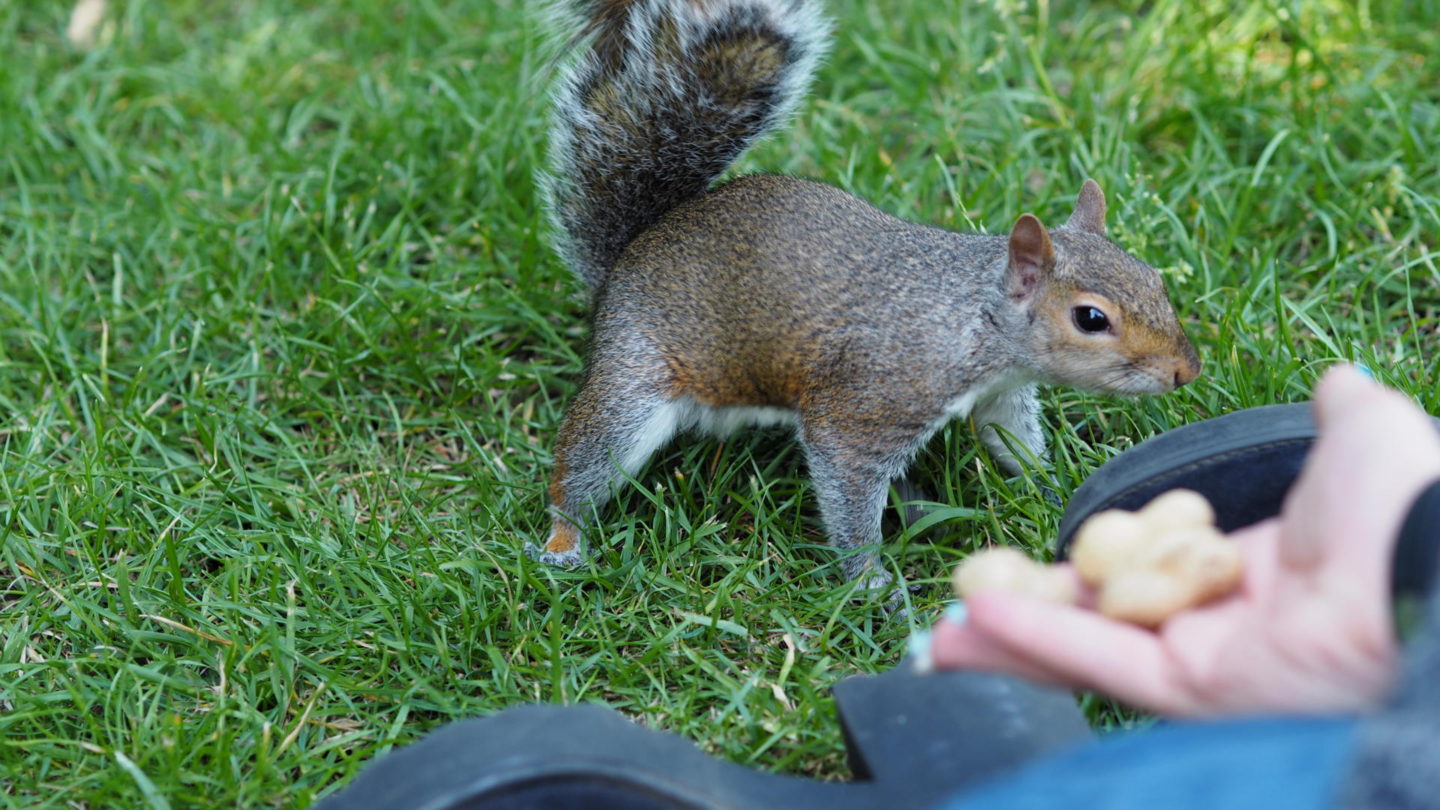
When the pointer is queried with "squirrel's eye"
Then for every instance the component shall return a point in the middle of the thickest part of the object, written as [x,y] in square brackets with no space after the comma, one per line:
[1090,319]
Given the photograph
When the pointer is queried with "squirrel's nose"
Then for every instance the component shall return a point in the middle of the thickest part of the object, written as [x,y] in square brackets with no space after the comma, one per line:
[1186,371]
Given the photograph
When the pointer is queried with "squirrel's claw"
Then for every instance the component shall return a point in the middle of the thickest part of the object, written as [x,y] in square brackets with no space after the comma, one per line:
[882,584]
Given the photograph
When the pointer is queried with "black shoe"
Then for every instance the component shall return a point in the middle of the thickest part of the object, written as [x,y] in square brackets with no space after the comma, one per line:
[1243,463]
[912,740]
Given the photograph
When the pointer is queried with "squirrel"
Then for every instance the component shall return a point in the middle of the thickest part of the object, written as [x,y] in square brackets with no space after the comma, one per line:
[776,300]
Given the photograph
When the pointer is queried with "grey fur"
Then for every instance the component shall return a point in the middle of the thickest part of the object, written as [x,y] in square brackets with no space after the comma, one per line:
[777,299]
[641,122]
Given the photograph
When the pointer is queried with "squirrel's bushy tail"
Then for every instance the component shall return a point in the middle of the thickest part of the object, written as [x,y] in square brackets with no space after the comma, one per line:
[665,95]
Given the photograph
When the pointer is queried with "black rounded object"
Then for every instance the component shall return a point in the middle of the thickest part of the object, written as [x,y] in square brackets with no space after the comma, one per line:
[911,740]
[1243,462]
[578,791]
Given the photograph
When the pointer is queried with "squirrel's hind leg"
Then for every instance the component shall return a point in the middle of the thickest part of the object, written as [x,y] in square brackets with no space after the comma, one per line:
[617,420]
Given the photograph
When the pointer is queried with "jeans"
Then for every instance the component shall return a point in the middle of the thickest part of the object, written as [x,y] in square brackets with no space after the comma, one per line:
[1275,764]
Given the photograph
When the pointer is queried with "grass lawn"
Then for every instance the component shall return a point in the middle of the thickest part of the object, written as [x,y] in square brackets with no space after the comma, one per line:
[283,349]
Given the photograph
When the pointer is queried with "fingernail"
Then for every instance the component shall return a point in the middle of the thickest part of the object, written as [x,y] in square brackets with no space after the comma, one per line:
[956,613]
[918,649]
[1363,369]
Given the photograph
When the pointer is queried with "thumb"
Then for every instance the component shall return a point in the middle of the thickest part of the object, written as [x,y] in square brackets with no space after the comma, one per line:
[1341,390]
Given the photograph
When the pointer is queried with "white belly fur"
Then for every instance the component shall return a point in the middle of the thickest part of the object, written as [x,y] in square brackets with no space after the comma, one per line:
[684,413]
[961,406]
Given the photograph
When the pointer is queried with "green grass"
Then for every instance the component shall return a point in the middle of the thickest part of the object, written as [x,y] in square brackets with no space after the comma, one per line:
[283,347]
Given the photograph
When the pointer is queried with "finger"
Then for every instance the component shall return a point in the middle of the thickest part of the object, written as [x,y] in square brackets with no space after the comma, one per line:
[961,646]
[1082,648]
[1258,549]
[1342,395]
[1345,393]
[1375,451]
[1348,401]
[1341,390]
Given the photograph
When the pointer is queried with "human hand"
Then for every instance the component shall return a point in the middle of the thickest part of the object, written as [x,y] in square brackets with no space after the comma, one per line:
[1309,631]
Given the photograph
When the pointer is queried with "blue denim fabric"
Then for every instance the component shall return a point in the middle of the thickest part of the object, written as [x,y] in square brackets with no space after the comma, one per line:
[1275,764]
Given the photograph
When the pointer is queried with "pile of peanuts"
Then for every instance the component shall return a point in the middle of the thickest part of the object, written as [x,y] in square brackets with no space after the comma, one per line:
[1145,566]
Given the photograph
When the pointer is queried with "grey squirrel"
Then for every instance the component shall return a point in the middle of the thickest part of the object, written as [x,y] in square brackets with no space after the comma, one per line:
[772,299]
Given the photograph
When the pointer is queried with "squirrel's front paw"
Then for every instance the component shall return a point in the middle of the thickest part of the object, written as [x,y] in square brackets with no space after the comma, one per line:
[894,605]
[877,584]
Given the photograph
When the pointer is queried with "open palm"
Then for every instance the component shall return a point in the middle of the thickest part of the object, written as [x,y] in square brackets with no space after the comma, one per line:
[1309,630]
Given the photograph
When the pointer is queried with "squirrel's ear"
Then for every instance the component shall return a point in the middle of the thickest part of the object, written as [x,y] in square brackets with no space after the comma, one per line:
[1089,213]
[1031,257]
